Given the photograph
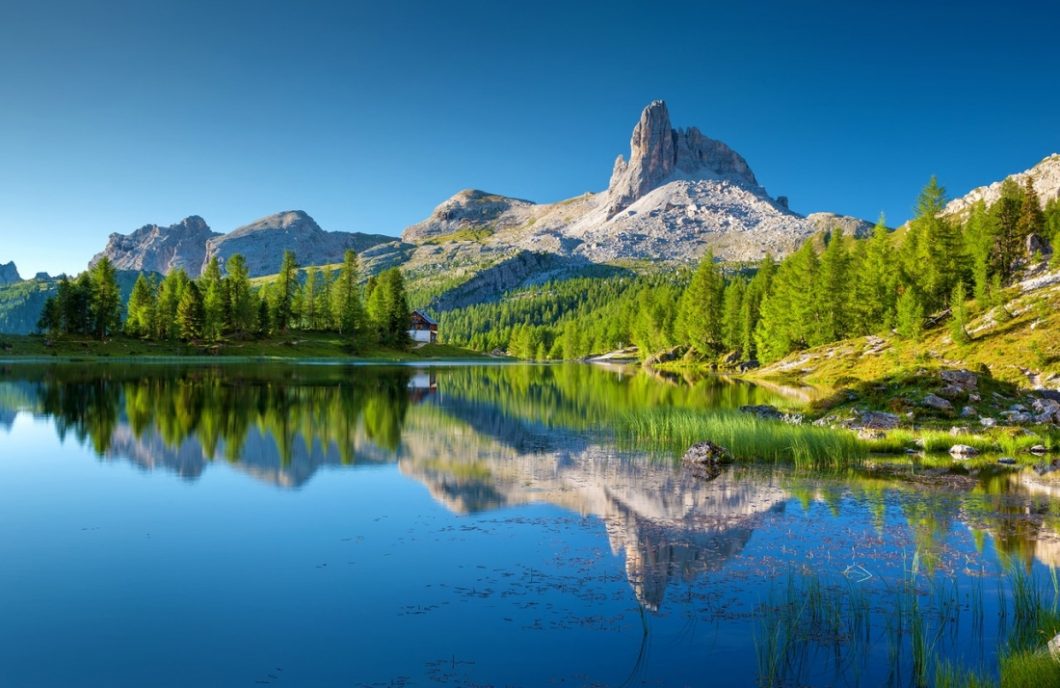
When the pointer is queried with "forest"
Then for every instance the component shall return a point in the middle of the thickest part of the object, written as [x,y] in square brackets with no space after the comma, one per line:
[217,306]
[833,287]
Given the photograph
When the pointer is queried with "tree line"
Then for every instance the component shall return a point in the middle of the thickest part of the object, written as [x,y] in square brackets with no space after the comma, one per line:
[834,286]
[230,305]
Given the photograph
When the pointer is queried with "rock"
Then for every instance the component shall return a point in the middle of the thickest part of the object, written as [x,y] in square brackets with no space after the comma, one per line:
[1037,244]
[965,379]
[869,434]
[877,420]
[958,430]
[763,411]
[263,243]
[658,152]
[705,459]
[952,392]
[155,248]
[1046,406]
[672,354]
[968,412]
[974,397]
[963,450]
[937,403]
[1017,417]
[1038,449]
[1054,647]
[987,422]
[1007,461]
[1045,176]
[9,273]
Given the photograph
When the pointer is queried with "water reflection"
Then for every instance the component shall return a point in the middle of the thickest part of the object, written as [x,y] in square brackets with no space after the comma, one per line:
[489,437]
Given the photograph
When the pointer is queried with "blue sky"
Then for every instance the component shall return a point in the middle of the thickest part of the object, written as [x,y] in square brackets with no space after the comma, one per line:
[367,115]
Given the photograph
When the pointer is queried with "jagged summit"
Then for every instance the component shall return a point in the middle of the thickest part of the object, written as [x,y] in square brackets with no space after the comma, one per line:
[1045,176]
[9,273]
[160,249]
[659,153]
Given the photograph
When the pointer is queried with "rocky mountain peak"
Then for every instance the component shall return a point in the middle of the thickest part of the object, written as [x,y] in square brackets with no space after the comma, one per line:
[469,209]
[1045,177]
[659,153]
[160,249]
[9,273]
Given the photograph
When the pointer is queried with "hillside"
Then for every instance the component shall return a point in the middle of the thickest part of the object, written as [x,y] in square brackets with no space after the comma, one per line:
[1024,350]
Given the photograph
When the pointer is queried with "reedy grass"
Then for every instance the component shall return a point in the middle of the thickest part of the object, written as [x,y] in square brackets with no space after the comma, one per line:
[748,438]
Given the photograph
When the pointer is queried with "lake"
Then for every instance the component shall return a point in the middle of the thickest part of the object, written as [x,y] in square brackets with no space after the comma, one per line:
[474,525]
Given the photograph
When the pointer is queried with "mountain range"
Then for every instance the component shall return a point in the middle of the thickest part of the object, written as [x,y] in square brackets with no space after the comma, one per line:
[678,194]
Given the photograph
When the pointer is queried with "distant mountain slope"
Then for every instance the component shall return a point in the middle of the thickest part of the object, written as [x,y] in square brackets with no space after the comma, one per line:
[263,242]
[191,243]
[680,194]
[21,302]
[9,273]
[1045,176]
[160,249]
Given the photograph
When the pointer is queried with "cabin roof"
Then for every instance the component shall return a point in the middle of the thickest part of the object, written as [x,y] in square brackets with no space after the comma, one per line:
[429,319]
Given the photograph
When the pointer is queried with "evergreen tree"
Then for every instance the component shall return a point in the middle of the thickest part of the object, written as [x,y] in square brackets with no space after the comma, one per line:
[833,289]
[980,234]
[958,315]
[701,313]
[51,317]
[732,314]
[935,262]
[264,323]
[243,305]
[170,294]
[308,301]
[910,315]
[106,299]
[346,309]
[876,286]
[140,321]
[191,314]
[284,294]
[212,289]
[1008,244]
[1031,218]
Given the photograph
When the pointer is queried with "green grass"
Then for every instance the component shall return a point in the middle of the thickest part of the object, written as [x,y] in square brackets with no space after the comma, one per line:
[1029,669]
[475,234]
[747,437]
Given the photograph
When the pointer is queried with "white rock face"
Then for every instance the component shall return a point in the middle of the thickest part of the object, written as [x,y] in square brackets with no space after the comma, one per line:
[680,193]
[160,249]
[1045,177]
[263,243]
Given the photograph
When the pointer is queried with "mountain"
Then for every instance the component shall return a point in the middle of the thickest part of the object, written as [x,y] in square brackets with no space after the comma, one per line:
[1045,177]
[263,242]
[680,193]
[191,243]
[9,273]
[154,248]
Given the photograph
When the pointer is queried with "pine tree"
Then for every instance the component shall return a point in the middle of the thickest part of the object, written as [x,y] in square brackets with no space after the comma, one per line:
[732,314]
[1008,244]
[833,289]
[346,311]
[936,261]
[243,307]
[140,321]
[308,309]
[959,315]
[701,314]
[284,294]
[191,314]
[106,299]
[876,286]
[910,315]
[170,294]
[980,234]
[1031,218]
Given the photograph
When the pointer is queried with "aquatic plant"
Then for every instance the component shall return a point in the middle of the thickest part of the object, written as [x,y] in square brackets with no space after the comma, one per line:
[747,437]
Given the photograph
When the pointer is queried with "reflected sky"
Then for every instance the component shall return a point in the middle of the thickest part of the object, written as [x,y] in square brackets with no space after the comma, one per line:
[446,526]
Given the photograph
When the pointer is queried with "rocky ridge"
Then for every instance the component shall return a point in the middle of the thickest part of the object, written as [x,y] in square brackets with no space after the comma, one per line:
[1045,177]
[9,273]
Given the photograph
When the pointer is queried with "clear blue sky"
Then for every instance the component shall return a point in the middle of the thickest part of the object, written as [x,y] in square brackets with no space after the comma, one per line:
[367,115]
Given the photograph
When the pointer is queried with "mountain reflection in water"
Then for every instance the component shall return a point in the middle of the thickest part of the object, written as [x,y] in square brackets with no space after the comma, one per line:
[479,438]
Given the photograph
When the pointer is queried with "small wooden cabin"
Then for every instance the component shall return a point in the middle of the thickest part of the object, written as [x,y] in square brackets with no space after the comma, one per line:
[423,328]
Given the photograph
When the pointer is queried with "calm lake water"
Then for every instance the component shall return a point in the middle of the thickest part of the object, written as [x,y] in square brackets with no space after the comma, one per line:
[466,526]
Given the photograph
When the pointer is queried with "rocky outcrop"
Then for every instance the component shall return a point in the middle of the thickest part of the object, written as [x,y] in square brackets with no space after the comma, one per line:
[658,154]
[1045,177]
[9,273]
[191,243]
[851,226]
[264,242]
[154,248]
[473,212]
